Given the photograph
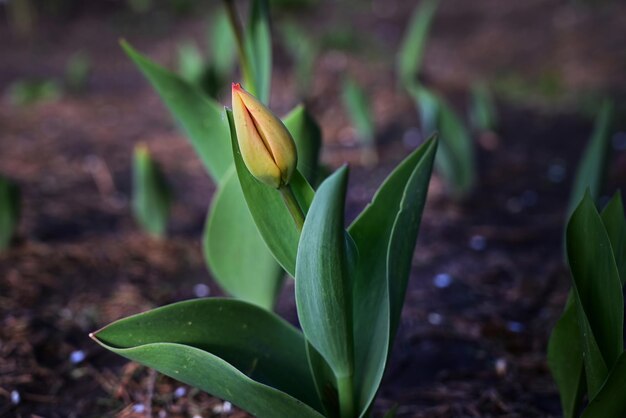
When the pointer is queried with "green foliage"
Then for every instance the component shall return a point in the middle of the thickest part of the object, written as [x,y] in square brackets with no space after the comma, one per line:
[356,103]
[77,70]
[228,348]
[384,233]
[152,197]
[594,162]
[349,306]
[29,92]
[483,115]
[235,252]
[246,355]
[409,59]
[9,211]
[199,116]
[585,353]
[323,284]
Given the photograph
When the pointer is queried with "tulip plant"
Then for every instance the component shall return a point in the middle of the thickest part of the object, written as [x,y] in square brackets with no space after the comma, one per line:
[350,285]
[152,196]
[599,247]
[234,249]
[586,351]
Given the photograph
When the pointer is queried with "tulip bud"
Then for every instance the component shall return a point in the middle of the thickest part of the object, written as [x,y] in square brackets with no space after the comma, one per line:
[266,145]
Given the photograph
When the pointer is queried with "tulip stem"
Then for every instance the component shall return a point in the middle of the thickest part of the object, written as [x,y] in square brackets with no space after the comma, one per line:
[346,396]
[292,205]
[235,24]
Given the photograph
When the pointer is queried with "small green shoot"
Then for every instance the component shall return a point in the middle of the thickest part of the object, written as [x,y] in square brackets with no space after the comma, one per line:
[77,71]
[411,52]
[152,197]
[593,166]
[9,211]
[483,115]
[29,92]
[357,105]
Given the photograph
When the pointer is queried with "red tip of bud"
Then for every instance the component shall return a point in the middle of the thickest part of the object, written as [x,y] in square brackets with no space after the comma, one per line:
[236,86]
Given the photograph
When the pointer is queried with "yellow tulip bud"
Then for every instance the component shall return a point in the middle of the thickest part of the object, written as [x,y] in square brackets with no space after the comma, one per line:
[266,145]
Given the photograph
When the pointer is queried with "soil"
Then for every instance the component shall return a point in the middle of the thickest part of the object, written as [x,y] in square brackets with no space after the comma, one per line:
[488,281]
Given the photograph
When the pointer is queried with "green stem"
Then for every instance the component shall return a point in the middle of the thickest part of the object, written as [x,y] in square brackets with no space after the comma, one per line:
[235,24]
[292,205]
[346,396]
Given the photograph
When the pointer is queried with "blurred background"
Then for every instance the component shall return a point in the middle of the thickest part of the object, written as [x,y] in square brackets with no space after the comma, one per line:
[488,279]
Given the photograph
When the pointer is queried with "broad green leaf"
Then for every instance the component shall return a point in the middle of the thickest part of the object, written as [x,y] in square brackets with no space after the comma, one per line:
[483,115]
[565,359]
[385,234]
[152,197]
[610,401]
[592,167]
[269,211]
[323,287]
[9,211]
[356,103]
[414,42]
[235,252]
[597,290]
[307,135]
[259,49]
[229,348]
[200,117]
[615,224]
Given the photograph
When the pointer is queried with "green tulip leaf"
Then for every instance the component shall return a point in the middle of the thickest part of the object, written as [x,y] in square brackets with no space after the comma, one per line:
[323,287]
[200,117]
[356,103]
[455,156]
[268,208]
[610,401]
[597,291]
[592,167]
[385,234]
[152,197]
[9,211]
[236,254]
[565,359]
[259,49]
[307,135]
[223,47]
[483,114]
[414,42]
[615,223]
[228,348]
